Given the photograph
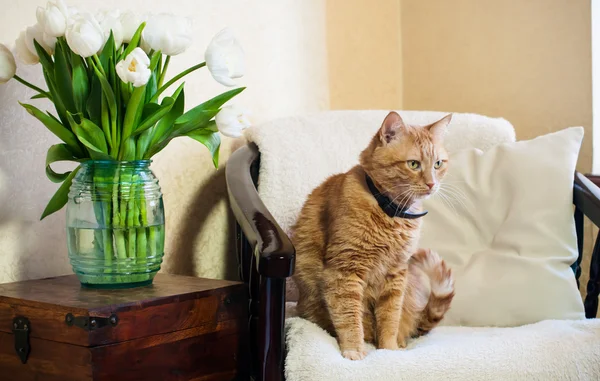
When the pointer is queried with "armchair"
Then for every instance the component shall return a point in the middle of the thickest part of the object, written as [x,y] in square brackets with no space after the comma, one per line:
[266,254]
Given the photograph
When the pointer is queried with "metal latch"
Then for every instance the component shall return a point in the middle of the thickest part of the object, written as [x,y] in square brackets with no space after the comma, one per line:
[90,323]
[21,330]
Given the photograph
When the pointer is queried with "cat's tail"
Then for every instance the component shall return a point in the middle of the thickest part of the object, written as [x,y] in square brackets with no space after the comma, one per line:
[441,286]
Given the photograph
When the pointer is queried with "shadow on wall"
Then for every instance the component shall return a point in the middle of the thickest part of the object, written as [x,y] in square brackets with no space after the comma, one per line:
[202,205]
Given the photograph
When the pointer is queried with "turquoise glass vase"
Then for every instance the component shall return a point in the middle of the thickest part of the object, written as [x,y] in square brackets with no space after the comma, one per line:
[115,224]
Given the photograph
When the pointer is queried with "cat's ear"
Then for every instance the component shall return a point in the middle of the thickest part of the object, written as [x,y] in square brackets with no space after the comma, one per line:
[392,127]
[439,128]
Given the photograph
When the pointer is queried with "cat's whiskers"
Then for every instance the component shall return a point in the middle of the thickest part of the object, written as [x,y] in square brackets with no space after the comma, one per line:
[388,191]
[457,193]
[451,195]
[446,201]
[406,199]
[400,195]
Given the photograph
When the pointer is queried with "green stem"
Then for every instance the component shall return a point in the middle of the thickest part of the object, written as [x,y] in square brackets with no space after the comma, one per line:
[104,119]
[175,79]
[32,86]
[144,223]
[131,217]
[99,64]
[164,71]
[107,237]
[118,219]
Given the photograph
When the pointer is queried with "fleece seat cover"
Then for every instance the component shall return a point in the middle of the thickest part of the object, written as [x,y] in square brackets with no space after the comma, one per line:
[550,350]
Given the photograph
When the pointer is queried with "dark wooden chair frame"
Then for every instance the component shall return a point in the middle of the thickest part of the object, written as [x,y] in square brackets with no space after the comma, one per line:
[266,258]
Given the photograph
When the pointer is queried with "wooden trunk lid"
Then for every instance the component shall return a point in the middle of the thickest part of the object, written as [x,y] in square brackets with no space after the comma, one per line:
[58,309]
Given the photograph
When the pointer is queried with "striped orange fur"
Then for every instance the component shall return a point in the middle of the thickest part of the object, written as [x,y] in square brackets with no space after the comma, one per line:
[356,273]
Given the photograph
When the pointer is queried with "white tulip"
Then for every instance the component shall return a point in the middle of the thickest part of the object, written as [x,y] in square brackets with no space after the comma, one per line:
[111,21]
[53,19]
[23,52]
[232,120]
[130,22]
[224,58]
[144,45]
[168,33]
[84,35]
[36,32]
[8,67]
[134,68]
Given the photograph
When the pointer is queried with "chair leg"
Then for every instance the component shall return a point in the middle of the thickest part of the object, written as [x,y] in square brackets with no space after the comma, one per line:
[271,340]
[593,286]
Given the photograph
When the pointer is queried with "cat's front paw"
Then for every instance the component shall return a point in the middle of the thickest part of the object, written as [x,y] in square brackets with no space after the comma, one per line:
[354,355]
[401,344]
[388,344]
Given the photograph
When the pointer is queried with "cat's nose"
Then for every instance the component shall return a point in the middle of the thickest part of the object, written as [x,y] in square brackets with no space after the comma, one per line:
[430,185]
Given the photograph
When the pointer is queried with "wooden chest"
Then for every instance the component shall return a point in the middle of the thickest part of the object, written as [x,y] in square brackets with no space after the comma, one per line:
[180,328]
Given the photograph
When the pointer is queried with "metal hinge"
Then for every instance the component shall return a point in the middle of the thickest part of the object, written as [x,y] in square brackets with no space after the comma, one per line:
[21,329]
[90,323]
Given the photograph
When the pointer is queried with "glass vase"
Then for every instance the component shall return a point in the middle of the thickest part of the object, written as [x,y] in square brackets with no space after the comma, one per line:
[115,224]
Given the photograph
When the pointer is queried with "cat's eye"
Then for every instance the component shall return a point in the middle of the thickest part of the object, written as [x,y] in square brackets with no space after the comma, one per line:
[438,164]
[413,164]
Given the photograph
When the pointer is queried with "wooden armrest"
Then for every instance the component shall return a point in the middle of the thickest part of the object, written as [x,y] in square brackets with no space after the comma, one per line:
[274,251]
[586,197]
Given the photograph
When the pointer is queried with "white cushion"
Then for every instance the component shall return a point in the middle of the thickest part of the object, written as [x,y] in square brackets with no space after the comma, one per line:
[511,239]
[546,351]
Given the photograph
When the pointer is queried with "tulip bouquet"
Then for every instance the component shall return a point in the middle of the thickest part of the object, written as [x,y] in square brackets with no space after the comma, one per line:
[106,75]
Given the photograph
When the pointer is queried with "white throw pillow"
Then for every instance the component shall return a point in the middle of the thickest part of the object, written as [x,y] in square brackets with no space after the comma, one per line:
[511,239]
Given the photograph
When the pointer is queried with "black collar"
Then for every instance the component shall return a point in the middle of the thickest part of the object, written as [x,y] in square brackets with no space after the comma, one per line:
[389,207]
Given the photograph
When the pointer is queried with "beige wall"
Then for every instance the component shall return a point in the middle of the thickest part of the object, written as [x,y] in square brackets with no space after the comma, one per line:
[364,53]
[528,61]
[286,74]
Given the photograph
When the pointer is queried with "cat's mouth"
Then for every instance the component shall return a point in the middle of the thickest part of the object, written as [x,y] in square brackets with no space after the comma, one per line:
[425,193]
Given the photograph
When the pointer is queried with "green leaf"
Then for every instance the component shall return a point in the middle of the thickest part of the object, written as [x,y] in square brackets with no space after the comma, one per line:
[81,87]
[45,58]
[60,198]
[149,109]
[40,96]
[151,120]
[58,104]
[155,60]
[53,117]
[107,51]
[142,144]
[151,87]
[111,102]
[94,101]
[56,153]
[164,127]
[212,141]
[89,134]
[54,126]
[108,92]
[62,75]
[106,127]
[125,93]
[129,150]
[133,112]
[135,41]
[202,113]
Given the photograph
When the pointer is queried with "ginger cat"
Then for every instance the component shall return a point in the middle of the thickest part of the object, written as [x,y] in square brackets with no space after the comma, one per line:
[358,272]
